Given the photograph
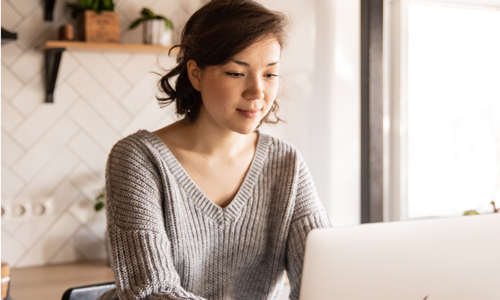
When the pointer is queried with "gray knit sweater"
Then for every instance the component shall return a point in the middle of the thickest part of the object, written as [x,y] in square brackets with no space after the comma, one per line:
[167,240]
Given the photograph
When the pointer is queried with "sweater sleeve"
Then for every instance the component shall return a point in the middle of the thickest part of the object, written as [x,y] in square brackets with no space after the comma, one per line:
[308,214]
[139,249]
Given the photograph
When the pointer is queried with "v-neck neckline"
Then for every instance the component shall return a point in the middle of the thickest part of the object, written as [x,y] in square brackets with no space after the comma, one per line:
[230,212]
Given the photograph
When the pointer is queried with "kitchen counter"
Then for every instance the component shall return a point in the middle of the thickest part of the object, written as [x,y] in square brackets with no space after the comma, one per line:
[50,282]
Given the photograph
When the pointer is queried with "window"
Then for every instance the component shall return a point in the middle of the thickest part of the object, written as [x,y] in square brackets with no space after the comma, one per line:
[445,109]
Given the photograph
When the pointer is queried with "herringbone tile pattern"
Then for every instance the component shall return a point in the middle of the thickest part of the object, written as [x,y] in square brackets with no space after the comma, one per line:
[59,150]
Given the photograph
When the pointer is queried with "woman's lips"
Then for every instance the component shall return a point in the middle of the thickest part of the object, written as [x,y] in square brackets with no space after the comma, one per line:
[250,113]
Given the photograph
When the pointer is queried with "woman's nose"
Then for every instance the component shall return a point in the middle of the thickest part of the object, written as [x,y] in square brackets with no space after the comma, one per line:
[254,89]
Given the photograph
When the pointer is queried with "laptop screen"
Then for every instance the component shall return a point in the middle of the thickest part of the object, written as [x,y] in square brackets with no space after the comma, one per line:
[439,259]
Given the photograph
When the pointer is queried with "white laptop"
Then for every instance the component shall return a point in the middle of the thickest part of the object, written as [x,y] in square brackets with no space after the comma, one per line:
[439,259]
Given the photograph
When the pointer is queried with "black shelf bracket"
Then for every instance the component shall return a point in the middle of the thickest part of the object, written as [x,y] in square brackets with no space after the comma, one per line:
[52,61]
[49,10]
[8,36]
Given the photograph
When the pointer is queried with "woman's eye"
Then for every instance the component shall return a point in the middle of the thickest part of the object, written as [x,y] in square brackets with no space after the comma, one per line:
[271,75]
[234,74]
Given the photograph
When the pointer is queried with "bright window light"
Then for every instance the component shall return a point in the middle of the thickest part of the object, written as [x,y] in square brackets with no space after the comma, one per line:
[453,110]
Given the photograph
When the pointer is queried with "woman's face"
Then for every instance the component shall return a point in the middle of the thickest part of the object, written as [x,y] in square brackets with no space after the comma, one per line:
[237,95]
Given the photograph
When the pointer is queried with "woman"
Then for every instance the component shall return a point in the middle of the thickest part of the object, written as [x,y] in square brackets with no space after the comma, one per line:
[208,207]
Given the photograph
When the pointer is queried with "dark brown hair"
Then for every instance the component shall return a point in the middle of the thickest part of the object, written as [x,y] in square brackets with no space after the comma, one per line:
[212,36]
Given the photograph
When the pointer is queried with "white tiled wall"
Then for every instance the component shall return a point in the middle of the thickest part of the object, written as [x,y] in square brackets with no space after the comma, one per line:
[58,151]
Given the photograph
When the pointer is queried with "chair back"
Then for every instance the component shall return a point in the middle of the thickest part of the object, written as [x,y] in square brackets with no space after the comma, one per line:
[88,292]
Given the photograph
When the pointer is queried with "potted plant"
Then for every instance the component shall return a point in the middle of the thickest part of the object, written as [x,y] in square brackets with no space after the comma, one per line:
[475,212]
[96,20]
[100,201]
[157,29]
[99,205]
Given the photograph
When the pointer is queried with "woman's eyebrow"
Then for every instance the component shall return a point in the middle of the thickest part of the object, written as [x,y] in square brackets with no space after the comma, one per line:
[242,63]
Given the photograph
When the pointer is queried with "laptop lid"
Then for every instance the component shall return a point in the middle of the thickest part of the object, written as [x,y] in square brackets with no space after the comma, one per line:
[439,259]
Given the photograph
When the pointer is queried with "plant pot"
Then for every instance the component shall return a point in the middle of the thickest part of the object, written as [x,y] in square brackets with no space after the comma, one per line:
[99,28]
[155,33]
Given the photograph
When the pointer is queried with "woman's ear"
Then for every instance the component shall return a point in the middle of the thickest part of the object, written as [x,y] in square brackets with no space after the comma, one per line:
[194,74]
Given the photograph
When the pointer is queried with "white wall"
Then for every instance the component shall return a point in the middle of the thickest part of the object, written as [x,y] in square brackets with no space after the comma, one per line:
[338,84]
[321,72]
[58,151]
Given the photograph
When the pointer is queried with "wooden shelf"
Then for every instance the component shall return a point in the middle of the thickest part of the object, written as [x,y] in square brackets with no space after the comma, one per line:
[54,49]
[78,45]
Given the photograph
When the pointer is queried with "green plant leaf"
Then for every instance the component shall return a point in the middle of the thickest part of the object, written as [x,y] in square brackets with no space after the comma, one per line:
[470,213]
[95,6]
[98,206]
[85,4]
[146,12]
[108,5]
[168,24]
[101,199]
[135,23]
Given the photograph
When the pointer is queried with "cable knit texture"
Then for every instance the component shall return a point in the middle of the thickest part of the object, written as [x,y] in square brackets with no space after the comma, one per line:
[167,240]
